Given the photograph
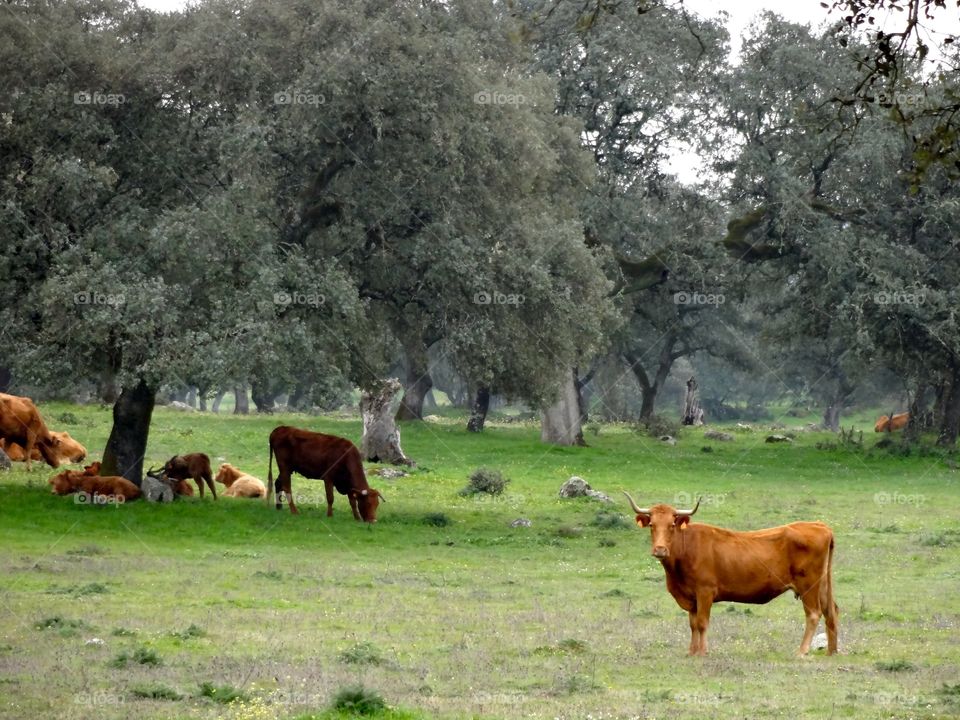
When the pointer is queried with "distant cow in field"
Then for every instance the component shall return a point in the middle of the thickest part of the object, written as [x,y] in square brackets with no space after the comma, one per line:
[20,423]
[194,466]
[706,564]
[335,460]
[68,450]
[890,424]
[71,481]
[240,484]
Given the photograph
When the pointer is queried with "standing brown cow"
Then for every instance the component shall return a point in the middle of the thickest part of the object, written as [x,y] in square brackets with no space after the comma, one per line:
[20,423]
[706,564]
[335,460]
[195,466]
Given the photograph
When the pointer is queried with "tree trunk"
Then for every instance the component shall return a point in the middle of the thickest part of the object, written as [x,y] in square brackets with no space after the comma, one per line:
[581,385]
[127,443]
[202,393]
[6,379]
[950,424]
[381,436]
[263,398]
[429,401]
[918,419]
[191,398]
[107,389]
[692,412]
[478,413]
[831,416]
[417,386]
[242,402]
[649,389]
[217,399]
[560,422]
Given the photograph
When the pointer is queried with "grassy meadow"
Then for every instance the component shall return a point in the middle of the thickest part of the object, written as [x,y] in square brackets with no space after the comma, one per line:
[230,609]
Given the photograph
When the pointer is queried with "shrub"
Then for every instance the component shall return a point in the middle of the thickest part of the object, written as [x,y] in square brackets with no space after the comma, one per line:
[609,520]
[437,519]
[67,418]
[657,426]
[140,656]
[485,480]
[358,700]
[194,631]
[364,653]
[223,694]
[895,666]
[155,692]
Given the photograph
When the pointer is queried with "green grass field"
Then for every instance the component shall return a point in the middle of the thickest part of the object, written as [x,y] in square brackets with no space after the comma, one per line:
[446,610]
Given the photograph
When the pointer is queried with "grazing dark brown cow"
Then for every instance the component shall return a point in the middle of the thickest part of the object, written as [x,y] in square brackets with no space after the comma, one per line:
[335,460]
[20,423]
[195,466]
[70,481]
[706,564]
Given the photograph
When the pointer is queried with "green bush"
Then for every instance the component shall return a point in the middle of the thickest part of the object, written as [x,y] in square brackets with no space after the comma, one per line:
[485,481]
[358,700]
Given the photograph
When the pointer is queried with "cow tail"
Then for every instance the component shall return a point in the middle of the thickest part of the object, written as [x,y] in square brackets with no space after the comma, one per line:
[270,475]
[832,606]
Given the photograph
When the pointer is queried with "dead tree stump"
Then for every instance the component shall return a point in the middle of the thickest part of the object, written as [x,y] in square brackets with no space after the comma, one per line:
[692,412]
[381,436]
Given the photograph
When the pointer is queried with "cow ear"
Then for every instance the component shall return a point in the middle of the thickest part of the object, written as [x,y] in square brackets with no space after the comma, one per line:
[643,520]
[682,521]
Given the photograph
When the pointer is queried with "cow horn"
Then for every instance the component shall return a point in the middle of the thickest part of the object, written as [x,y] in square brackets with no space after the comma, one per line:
[637,510]
[690,512]
[382,498]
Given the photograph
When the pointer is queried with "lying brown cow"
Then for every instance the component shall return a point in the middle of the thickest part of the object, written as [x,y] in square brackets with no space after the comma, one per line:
[195,466]
[20,423]
[706,564]
[68,449]
[239,484]
[887,424]
[335,460]
[71,481]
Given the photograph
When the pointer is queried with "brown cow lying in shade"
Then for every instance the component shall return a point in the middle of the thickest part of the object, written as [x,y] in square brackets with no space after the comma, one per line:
[66,449]
[240,484]
[71,481]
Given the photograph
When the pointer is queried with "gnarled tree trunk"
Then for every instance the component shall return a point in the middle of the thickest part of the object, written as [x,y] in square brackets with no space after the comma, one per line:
[6,378]
[263,397]
[127,443]
[418,383]
[950,422]
[217,399]
[381,436]
[479,410]
[241,401]
[560,422]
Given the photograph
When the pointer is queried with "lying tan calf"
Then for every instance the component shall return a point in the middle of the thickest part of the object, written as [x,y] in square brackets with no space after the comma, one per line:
[239,484]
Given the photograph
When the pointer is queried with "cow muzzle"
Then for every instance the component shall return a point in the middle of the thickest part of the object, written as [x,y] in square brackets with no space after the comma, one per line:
[661,551]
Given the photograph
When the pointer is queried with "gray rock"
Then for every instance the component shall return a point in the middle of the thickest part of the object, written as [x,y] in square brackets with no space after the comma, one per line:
[718,435]
[389,473]
[668,439]
[819,641]
[5,463]
[778,438]
[521,522]
[182,406]
[95,641]
[578,487]
[156,491]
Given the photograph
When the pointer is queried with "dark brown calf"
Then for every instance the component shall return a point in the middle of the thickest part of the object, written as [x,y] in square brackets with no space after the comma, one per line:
[193,466]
